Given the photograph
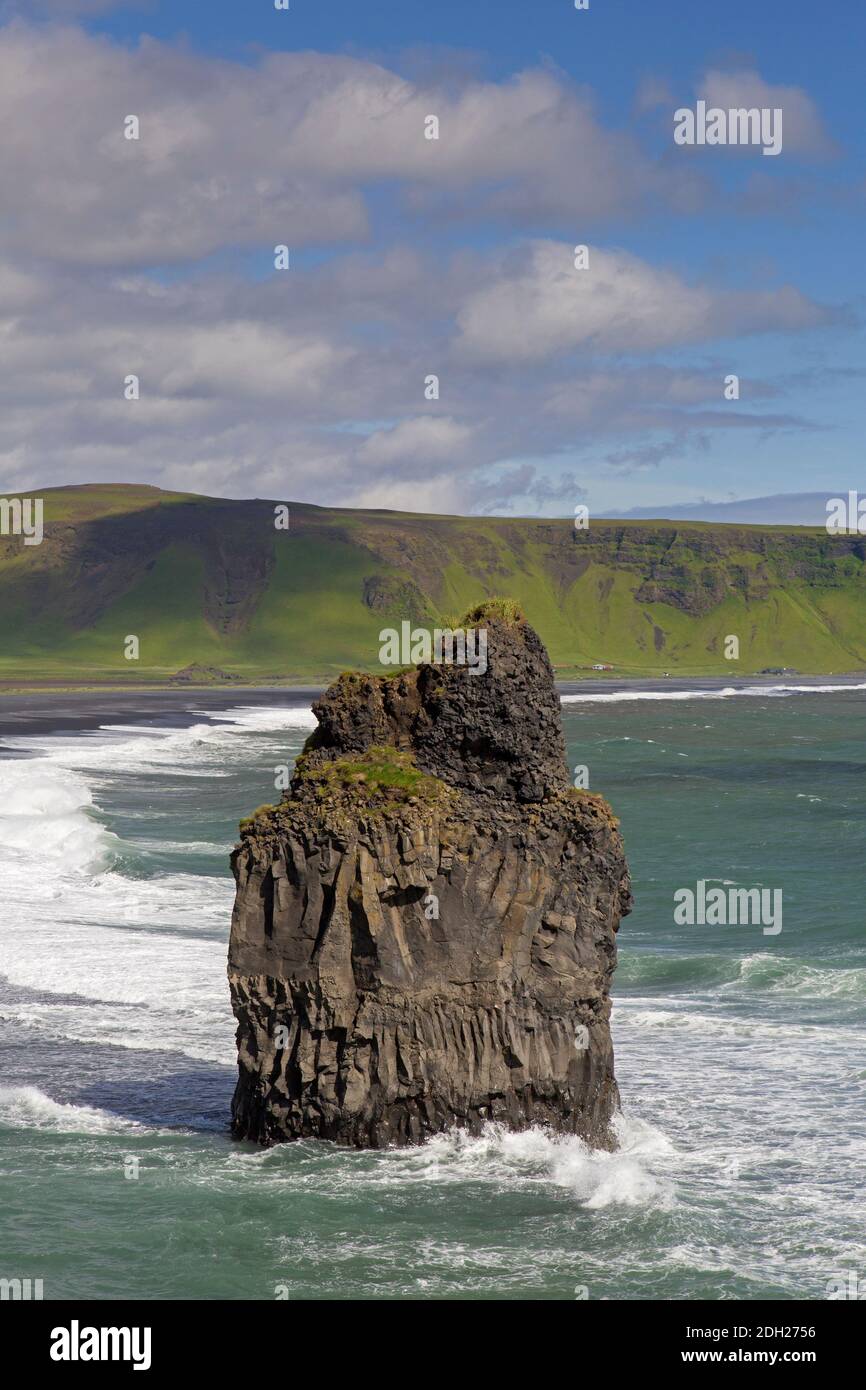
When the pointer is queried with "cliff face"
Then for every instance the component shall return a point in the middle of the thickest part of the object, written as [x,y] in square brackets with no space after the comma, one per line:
[217,584]
[424,928]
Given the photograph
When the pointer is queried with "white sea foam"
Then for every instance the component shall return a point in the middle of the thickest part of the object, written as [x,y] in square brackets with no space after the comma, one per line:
[26,1107]
[784,975]
[688,1019]
[135,962]
[271,717]
[132,963]
[726,692]
[197,750]
[46,818]
[502,1158]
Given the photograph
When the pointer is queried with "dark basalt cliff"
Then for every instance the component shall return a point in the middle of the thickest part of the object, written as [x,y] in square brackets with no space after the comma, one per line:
[424,928]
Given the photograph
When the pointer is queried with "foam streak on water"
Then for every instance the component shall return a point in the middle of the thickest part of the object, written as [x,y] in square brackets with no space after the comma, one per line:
[726,692]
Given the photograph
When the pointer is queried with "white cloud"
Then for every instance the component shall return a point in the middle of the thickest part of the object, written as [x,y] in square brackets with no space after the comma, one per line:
[421,443]
[279,385]
[18,290]
[244,154]
[539,305]
[803,130]
[274,388]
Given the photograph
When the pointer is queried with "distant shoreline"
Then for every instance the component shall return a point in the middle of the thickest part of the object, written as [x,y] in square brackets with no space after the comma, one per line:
[62,710]
[738,682]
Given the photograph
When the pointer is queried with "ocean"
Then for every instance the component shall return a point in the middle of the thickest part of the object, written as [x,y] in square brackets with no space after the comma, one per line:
[740,1055]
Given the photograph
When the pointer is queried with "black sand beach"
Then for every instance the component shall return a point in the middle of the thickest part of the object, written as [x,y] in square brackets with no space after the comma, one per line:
[58,711]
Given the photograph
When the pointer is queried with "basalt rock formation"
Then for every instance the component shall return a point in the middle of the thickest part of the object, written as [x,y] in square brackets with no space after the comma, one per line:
[424,932]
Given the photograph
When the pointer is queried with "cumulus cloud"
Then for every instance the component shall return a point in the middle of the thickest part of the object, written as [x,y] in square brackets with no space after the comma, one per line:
[212,166]
[282,150]
[309,384]
[589,396]
[314,390]
[540,305]
[804,132]
[419,444]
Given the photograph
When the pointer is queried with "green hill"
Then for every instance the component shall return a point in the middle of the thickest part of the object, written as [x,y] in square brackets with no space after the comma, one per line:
[209,582]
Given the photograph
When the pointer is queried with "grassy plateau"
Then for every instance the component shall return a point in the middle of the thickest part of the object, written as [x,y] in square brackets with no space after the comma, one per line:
[211,584]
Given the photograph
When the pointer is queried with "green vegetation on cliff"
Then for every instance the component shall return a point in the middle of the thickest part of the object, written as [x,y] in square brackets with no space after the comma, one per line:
[211,582]
[377,772]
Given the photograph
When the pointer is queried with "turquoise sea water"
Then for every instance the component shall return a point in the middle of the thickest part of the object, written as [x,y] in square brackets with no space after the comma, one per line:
[741,1057]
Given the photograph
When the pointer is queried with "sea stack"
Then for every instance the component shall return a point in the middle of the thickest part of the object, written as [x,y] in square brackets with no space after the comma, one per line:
[424,931]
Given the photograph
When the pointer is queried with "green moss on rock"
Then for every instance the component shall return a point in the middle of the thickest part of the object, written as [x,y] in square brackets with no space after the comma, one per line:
[260,812]
[507,610]
[378,772]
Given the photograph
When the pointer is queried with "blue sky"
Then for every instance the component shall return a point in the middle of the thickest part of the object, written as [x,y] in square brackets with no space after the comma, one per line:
[453,257]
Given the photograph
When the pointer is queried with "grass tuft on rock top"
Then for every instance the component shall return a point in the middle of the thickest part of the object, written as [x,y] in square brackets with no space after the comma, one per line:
[505,609]
[377,772]
[354,679]
[260,811]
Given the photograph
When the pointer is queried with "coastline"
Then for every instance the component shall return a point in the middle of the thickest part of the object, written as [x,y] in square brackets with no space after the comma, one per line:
[63,710]
[59,711]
